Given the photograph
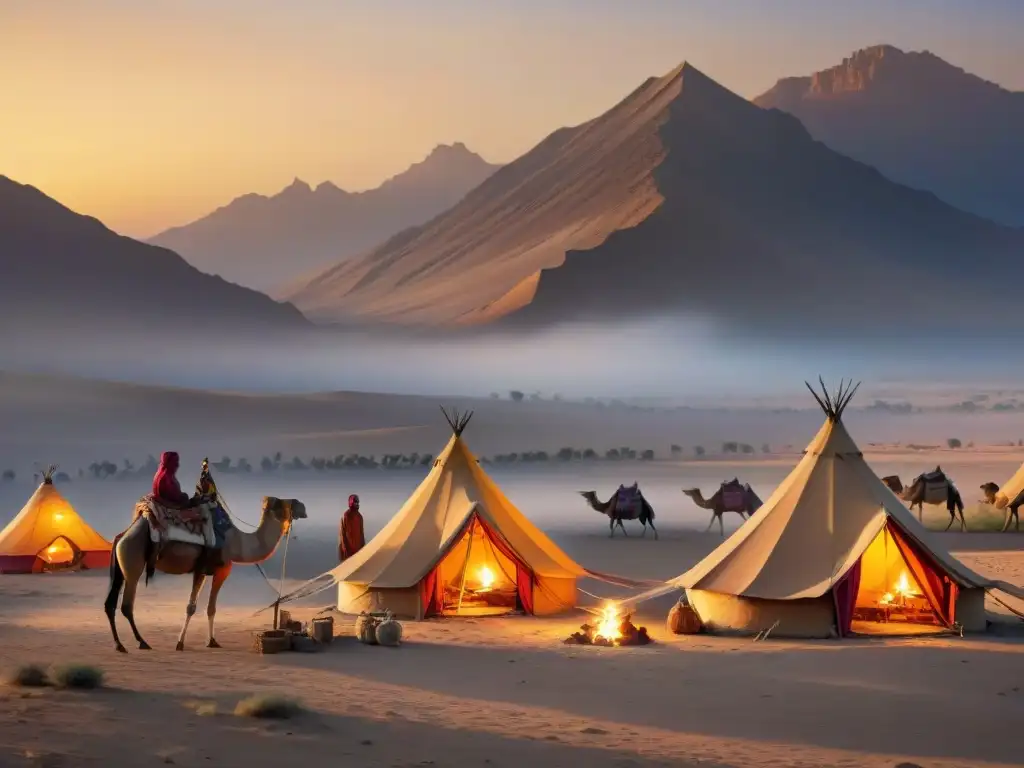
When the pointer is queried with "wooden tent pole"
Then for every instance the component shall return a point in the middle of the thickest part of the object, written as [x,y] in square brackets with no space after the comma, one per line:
[280,586]
[465,566]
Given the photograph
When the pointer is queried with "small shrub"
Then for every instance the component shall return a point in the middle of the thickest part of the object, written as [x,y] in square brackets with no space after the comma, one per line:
[28,676]
[954,443]
[80,676]
[268,706]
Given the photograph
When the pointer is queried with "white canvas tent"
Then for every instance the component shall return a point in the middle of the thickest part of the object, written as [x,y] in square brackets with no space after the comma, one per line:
[832,543]
[1012,490]
[458,546]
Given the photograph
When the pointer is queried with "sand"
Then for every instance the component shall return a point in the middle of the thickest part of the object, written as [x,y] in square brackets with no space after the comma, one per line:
[505,691]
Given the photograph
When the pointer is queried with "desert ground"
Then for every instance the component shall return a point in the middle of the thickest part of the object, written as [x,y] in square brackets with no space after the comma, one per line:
[502,691]
[506,691]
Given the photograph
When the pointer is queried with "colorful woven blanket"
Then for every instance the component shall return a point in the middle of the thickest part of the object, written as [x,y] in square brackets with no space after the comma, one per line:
[628,500]
[169,523]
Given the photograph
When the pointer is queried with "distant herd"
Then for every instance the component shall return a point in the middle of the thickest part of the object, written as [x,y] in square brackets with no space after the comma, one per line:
[935,487]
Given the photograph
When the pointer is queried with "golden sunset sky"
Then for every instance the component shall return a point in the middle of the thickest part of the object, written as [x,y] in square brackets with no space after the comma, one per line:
[152,113]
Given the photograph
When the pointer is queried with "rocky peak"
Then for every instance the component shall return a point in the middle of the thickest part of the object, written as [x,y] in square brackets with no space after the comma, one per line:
[857,72]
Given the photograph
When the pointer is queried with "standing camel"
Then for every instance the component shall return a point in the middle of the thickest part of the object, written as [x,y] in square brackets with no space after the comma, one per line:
[625,504]
[1012,506]
[933,488]
[133,548]
[732,496]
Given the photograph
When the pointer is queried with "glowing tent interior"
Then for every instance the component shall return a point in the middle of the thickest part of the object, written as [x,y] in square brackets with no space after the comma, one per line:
[458,546]
[49,535]
[834,551]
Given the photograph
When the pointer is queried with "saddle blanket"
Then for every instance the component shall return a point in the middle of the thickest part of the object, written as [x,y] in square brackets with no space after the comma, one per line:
[627,501]
[190,526]
[935,492]
[733,499]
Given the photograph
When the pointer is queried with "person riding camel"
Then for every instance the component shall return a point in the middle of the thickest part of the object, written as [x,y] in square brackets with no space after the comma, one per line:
[166,489]
[350,531]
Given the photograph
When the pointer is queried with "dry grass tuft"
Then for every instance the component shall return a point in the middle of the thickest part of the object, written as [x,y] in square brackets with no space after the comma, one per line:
[28,676]
[269,706]
[78,676]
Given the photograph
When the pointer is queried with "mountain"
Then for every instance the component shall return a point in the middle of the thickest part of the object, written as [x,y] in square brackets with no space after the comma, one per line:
[685,199]
[64,272]
[267,242]
[922,122]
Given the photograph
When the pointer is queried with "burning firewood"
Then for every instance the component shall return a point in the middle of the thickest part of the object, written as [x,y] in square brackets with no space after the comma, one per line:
[612,630]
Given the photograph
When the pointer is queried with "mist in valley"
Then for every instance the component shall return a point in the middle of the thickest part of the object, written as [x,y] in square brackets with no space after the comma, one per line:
[678,358]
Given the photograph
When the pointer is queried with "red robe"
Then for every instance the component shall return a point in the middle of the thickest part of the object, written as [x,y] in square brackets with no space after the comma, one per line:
[165,483]
[350,534]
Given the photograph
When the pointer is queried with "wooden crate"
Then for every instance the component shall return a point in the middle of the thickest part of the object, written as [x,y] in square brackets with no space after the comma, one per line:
[322,629]
[271,641]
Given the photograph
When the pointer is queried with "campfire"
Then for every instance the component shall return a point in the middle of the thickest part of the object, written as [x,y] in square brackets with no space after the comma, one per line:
[612,629]
[486,578]
[902,590]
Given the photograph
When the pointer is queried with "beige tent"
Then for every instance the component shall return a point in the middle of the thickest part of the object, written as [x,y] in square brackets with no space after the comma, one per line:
[458,546]
[834,551]
[49,535]
[1012,490]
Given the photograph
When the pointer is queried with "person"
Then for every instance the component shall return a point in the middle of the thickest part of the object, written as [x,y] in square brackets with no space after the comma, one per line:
[166,489]
[350,531]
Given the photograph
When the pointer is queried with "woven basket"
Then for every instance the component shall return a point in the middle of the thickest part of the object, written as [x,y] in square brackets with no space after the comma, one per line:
[271,641]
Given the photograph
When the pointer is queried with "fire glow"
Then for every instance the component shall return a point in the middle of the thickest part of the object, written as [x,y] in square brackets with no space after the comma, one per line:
[901,590]
[613,629]
[486,576]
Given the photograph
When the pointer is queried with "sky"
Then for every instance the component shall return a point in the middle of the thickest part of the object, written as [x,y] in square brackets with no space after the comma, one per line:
[150,115]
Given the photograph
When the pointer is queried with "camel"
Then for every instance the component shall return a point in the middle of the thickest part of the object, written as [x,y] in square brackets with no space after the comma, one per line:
[1012,507]
[131,556]
[635,508]
[892,482]
[927,489]
[731,496]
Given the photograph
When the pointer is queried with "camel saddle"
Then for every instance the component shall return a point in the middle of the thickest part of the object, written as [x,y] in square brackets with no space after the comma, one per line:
[936,486]
[628,500]
[199,525]
[734,496]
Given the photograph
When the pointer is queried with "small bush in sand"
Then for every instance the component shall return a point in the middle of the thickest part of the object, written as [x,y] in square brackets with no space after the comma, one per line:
[28,676]
[269,706]
[80,676]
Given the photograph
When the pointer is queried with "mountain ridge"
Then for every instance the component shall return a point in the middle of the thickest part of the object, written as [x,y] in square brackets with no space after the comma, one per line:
[265,241]
[922,121]
[65,271]
[658,203]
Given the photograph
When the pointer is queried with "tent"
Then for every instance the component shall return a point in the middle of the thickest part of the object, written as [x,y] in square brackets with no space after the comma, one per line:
[1012,491]
[834,551]
[49,535]
[458,546]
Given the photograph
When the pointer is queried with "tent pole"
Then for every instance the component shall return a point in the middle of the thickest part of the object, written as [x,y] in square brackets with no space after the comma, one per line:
[465,566]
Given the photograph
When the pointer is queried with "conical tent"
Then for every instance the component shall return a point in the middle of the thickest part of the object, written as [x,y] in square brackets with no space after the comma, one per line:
[1012,490]
[49,535]
[458,546]
[833,551]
